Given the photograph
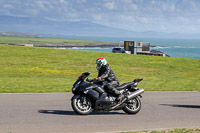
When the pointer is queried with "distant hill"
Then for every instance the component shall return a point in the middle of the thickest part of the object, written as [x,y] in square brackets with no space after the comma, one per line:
[18,34]
[86,28]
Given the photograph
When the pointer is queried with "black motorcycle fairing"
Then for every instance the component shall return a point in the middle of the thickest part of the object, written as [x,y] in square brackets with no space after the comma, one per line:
[82,77]
[93,94]
[91,86]
[105,104]
[86,88]
[85,84]
[78,87]
[101,105]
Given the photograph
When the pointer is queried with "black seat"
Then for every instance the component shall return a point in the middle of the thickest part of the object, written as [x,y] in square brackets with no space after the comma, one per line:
[124,85]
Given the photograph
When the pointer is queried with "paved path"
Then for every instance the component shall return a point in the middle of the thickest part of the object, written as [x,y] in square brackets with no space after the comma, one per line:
[52,113]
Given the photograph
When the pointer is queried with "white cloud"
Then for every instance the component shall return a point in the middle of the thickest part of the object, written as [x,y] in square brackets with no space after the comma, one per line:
[171,8]
[41,5]
[110,6]
[97,17]
[81,1]
[55,19]
[126,18]
[143,19]
[33,12]
[198,21]
[163,27]
[127,1]
[193,5]
[183,20]
[7,6]
[164,7]
[62,1]
[74,15]
[134,6]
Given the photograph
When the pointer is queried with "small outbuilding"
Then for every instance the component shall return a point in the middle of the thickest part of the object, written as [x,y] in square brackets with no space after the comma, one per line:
[137,47]
[133,47]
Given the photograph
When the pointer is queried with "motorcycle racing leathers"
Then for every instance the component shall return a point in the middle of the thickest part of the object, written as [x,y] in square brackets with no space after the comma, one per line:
[107,74]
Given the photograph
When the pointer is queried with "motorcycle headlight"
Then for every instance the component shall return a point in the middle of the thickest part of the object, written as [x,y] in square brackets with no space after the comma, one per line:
[73,89]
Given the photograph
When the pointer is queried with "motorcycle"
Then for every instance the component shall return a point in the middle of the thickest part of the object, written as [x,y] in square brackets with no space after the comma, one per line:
[87,97]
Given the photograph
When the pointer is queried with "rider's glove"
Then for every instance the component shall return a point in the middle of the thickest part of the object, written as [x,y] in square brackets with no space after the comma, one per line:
[97,79]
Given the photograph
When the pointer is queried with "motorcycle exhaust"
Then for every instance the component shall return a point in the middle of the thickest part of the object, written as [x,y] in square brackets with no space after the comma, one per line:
[132,95]
[136,93]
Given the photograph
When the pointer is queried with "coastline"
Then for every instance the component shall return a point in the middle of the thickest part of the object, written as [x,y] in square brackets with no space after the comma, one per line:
[175,48]
[69,45]
[79,46]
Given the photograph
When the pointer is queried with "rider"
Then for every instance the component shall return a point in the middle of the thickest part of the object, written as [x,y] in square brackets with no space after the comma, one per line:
[106,73]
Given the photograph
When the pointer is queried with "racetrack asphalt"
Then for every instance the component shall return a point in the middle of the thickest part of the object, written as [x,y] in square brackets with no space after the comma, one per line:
[52,113]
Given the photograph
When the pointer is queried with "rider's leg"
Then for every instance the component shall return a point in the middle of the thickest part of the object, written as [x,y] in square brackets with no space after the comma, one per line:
[112,86]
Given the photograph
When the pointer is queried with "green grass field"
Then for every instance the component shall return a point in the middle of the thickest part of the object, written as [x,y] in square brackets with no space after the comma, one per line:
[184,130]
[33,69]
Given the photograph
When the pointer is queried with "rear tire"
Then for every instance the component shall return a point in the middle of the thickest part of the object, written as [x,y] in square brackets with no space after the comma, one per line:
[133,107]
[80,106]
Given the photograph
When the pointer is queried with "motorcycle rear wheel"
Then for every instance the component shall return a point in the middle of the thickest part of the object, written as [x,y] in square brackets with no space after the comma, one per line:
[133,107]
[82,107]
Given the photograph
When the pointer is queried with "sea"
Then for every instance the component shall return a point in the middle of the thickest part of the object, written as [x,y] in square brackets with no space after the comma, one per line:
[180,48]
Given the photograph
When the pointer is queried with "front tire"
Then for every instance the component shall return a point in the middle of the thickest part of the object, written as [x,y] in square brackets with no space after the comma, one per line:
[81,105]
[133,107]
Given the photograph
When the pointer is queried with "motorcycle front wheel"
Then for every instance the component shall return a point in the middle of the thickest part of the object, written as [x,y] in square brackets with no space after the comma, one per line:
[133,106]
[81,105]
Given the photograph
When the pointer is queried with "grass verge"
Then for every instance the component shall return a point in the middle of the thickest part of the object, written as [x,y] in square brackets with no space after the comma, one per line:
[194,130]
[33,69]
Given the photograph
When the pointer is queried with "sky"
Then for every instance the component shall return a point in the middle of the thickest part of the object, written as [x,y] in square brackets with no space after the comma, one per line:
[170,16]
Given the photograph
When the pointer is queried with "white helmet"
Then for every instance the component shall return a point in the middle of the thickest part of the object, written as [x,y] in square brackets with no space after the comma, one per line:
[100,62]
